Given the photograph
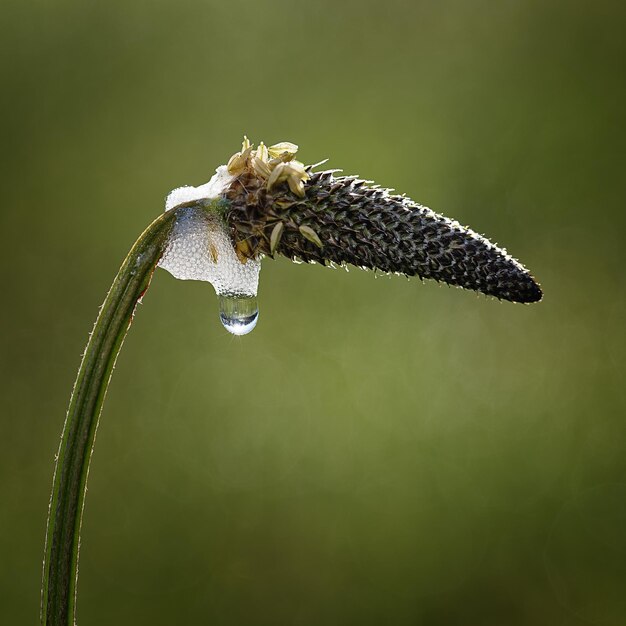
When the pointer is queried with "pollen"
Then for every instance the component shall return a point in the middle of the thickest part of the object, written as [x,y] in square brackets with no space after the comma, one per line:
[274,165]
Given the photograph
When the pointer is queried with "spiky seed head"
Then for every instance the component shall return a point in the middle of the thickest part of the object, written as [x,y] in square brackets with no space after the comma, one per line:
[346,220]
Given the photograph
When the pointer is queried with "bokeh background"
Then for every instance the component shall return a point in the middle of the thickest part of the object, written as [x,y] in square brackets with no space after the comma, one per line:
[377,451]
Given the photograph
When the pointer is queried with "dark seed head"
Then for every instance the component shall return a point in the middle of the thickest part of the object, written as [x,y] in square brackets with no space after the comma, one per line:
[369,227]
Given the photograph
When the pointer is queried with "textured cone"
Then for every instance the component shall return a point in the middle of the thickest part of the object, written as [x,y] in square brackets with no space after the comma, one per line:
[370,228]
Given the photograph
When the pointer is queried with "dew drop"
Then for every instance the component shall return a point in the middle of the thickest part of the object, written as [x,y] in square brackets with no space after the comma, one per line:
[238,314]
[200,248]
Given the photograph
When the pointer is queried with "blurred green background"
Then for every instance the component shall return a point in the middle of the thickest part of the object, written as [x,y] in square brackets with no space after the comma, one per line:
[377,451]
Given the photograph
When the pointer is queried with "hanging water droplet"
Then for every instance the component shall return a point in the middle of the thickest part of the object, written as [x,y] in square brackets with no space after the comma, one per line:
[238,314]
[200,248]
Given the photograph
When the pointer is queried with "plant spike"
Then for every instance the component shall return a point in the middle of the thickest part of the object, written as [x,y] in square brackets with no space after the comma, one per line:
[345,220]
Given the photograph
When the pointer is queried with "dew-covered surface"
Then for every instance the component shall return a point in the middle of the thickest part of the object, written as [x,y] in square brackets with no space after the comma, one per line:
[219,181]
[200,248]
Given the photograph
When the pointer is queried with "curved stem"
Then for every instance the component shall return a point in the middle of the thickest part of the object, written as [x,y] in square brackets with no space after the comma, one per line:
[60,571]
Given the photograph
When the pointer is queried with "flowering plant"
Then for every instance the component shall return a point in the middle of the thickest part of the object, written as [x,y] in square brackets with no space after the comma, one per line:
[263,202]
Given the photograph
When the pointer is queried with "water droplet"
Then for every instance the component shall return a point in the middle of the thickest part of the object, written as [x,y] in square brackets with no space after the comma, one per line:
[238,314]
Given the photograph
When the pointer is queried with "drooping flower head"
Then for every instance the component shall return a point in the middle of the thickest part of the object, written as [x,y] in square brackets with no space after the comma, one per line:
[265,202]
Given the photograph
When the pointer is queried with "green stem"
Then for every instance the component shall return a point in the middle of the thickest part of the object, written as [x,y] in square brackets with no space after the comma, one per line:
[58,601]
